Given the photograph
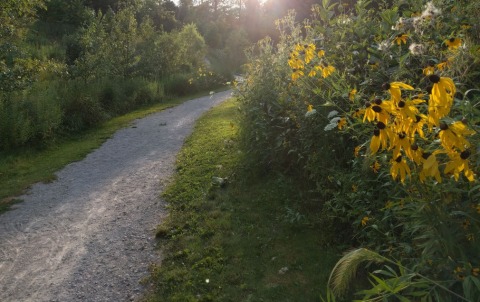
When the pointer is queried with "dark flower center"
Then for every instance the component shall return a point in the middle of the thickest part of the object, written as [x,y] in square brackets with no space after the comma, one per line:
[399,159]
[401,104]
[378,101]
[426,155]
[464,120]
[465,154]
[432,64]
[419,118]
[368,104]
[399,36]
[402,135]
[414,147]
[386,86]
[377,109]
[294,70]
[376,132]
[303,52]
[429,89]
[306,46]
[357,110]
[443,126]
[452,40]
[381,125]
[434,78]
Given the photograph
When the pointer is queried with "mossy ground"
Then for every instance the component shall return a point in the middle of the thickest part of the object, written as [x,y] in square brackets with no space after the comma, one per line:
[242,241]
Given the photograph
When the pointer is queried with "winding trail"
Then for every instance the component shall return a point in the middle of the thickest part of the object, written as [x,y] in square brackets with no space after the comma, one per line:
[89,236]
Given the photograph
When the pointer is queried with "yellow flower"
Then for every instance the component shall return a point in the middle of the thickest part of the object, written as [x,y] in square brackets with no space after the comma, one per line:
[341,123]
[354,188]
[321,53]
[328,70]
[453,43]
[458,164]
[352,93]
[296,74]
[312,73]
[430,166]
[429,70]
[399,38]
[380,136]
[452,136]
[471,237]
[400,167]
[375,167]
[358,113]
[389,203]
[356,150]
[345,4]
[298,125]
[394,89]
[364,221]
[465,224]
[232,126]
[465,26]
[309,108]
[445,64]
[373,65]
[443,90]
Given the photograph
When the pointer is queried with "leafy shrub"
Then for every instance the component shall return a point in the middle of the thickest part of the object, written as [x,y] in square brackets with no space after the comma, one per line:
[309,109]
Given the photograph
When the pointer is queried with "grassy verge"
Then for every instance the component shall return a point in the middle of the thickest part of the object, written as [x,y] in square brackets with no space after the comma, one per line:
[241,241]
[20,170]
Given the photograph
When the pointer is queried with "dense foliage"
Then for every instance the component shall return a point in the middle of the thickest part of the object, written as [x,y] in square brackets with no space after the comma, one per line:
[377,108]
[74,68]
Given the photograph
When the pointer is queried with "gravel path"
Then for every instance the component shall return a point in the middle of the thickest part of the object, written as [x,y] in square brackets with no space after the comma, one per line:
[89,236]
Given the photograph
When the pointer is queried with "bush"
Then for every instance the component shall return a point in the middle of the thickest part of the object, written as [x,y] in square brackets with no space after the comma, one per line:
[316,104]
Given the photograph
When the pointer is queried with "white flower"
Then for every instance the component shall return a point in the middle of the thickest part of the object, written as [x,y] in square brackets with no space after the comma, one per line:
[207,280]
[384,46]
[332,114]
[283,270]
[431,11]
[416,49]
[212,92]
[228,83]
[333,123]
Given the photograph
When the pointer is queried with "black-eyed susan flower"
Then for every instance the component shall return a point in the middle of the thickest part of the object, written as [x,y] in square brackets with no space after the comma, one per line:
[375,167]
[465,224]
[430,166]
[445,64]
[296,74]
[374,65]
[312,73]
[429,70]
[459,273]
[364,221]
[310,107]
[378,109]
[352,93]
[341,123]
[358,113]
[399,38]
[357,149]
[406,108]
[321,53]
[453,43]
[443,90]
[466,26]
[354,188]
[380,136]
[401,141]
[471,237]
[458,164]
[453,135]
[394,89]
[328,70]
[474,271]
[399,167]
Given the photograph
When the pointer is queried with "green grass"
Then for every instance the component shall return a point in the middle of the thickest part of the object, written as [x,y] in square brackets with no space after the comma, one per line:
[21,169]
[228,243]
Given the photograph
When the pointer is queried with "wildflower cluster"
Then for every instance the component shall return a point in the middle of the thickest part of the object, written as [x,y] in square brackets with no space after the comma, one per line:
[355,99]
